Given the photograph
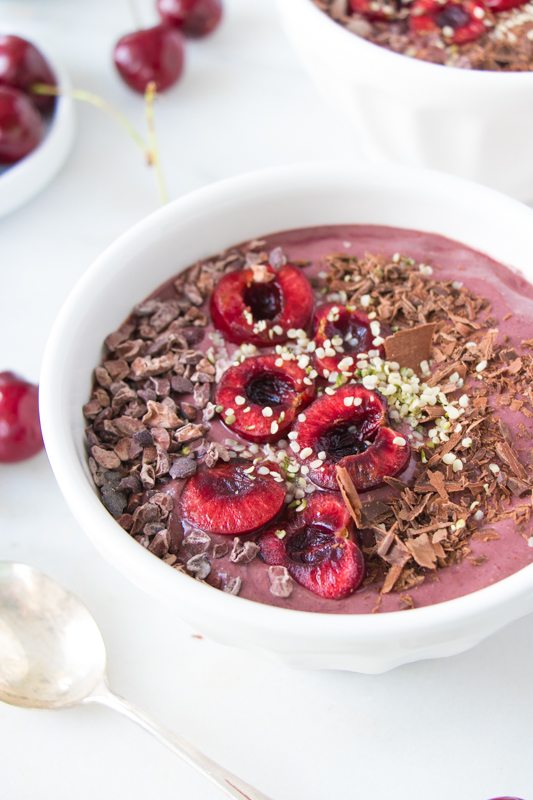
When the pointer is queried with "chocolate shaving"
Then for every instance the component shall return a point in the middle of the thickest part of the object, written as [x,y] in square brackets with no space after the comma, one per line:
[410,347]
[350,495]
[422,551]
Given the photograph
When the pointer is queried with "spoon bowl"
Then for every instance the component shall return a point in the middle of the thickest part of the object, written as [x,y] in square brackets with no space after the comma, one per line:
[53,654]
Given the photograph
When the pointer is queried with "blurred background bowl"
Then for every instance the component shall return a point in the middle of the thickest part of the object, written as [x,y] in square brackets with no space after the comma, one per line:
[475,124]
[21,181]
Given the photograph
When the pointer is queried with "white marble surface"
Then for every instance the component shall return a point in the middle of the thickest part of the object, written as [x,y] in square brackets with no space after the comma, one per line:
[457,728]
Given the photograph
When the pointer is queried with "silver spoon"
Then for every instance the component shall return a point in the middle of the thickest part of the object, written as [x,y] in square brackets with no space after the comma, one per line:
[53,656]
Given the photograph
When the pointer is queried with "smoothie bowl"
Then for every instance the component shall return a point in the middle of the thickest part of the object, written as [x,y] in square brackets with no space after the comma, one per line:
[424,97]
[295,408]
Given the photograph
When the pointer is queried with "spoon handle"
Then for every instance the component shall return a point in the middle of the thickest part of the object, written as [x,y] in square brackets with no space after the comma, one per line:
[230,784]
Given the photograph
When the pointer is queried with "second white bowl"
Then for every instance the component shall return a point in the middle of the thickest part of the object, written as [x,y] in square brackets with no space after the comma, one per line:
[21,181]
[475,124]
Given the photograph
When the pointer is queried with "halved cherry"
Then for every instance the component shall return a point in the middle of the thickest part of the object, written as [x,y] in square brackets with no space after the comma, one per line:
[346,428]
[316,547]
[259,305]
[496,6]
[381,10]
[261,396]
[457,21]
[231,499]
[333,323]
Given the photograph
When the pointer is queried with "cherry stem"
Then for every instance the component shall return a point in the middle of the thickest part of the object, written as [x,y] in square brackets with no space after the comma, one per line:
[153,145]
[149,147]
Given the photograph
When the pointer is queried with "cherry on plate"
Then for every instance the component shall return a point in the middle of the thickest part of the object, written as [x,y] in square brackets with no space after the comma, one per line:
[232,498]
[21,66]
[195,18]
[316,546]
[20,430]
[150,55]
[21,125]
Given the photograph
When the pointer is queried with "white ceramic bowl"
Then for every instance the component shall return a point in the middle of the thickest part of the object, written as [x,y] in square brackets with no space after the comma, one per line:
[21,181]
[475,124]
[197,226]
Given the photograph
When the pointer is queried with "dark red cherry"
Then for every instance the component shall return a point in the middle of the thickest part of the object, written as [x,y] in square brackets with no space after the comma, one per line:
[195,18]
[317,547]
[503,5]
[21,125]
[150,55]
[20,431]
[457,21]
[21,66]
[232,498]
[348,428]
[352,328]
[259,304]
[261,397]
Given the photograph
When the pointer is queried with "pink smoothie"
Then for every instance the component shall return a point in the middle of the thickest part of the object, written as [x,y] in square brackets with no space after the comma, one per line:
[511,298]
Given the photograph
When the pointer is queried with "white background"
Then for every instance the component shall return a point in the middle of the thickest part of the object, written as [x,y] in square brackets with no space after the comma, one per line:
[457,728]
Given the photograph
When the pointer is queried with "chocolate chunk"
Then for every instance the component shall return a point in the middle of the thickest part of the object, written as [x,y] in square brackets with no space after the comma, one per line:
[243,552]
[410,347]
[281,583]
[198,566]
[113,500]
[183,467]
[181,384]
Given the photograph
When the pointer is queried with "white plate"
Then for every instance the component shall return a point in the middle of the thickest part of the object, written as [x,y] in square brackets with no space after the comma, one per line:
[23,180]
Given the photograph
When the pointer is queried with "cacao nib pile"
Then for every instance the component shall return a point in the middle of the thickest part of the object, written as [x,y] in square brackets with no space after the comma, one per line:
[494,35]
[349,437]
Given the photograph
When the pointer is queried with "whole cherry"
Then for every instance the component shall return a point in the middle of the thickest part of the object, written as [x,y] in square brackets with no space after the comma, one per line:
[21,125]
[150,55]
[21,66]
[195,18]
[20,430]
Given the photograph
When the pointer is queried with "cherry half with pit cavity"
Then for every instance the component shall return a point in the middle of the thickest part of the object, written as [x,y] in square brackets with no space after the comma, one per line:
[22,65]
[457,21]
[232,498]
[194,18]
[347,428]
[20,430]
[21,126]
[317,547]
[152,55]
[340,334]
[260,397]
[259,305]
